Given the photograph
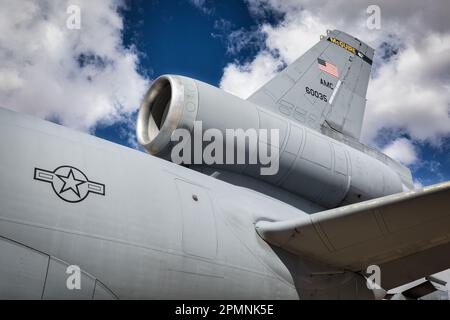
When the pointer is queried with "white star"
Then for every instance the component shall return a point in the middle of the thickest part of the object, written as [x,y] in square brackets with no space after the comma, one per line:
[70,183]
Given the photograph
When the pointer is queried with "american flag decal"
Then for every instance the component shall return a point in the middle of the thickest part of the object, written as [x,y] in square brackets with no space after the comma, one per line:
[328,67]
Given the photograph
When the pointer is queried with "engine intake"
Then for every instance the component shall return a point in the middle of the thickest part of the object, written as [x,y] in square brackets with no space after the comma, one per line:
[170,103]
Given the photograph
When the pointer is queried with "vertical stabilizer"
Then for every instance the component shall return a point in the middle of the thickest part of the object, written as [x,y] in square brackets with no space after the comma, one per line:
[326,86]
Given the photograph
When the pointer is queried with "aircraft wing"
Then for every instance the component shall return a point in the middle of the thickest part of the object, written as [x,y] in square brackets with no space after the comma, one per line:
[407,235]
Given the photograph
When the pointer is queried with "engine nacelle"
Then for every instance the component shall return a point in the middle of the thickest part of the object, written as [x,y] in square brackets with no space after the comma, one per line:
[311,165]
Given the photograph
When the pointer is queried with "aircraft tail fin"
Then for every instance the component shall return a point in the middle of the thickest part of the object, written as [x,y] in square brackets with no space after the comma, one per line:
[324,87]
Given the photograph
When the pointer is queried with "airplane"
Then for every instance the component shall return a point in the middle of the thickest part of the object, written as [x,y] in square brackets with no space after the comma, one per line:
[133,225]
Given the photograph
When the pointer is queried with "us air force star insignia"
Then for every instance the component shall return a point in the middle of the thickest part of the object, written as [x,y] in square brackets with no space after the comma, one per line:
[69,183]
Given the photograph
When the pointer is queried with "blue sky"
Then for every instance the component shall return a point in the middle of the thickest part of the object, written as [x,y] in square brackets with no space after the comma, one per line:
[235,45]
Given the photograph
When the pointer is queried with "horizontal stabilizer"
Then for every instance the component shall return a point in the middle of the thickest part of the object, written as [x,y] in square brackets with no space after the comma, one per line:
[407,235]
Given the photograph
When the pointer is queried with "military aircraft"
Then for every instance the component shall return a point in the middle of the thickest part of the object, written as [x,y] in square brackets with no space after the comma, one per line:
[139,226]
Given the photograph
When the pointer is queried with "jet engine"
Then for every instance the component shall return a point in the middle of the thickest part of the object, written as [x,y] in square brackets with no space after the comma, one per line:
[310,164]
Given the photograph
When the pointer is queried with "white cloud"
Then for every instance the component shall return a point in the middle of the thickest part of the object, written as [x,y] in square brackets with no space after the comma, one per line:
[242,80]
[295,35]
[412,92]
[79,77]
[10,80]
[402,150]
[418,185]
[202,6]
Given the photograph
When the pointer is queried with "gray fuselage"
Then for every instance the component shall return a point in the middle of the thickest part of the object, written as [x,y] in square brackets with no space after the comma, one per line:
[158,231]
